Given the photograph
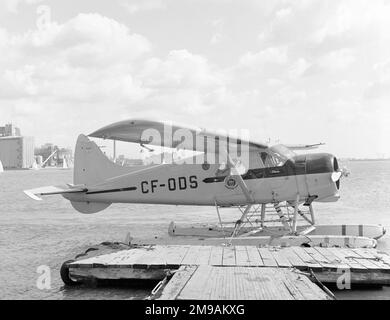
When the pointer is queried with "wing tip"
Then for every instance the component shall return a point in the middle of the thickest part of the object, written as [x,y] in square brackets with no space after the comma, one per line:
[32,195]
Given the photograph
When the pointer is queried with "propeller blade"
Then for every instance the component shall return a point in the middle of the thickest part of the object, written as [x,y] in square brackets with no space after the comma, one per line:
[336,176]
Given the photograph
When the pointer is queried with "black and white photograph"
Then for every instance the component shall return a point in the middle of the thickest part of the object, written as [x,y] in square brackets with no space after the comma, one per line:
[210,153]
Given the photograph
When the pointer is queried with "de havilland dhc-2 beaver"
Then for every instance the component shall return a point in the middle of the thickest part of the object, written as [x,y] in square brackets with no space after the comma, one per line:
[224,171]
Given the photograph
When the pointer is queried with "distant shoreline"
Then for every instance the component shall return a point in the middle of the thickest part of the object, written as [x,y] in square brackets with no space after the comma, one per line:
[364,159]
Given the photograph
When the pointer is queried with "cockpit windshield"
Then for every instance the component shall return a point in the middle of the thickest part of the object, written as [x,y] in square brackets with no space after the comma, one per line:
[276,156]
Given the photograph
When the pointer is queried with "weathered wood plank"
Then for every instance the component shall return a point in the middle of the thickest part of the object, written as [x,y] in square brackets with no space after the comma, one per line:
[280,258]
[229,256]
[242,258]
[385,258]
[308,259]
[334,261]
[176,254]
[319,257]
[173,288]
[191,256]
[372,256]
[293,258]
[350,254]
[350,262]
[305,287]
[154,256]
[254,256]
[216,256]
[267,257]
[204,255]
[233,283]
[109,273]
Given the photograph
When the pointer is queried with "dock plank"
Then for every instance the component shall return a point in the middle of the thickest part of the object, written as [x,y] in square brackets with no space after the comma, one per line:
[242,258]
[177,282]
[351,263]
[254,256]
[372,256]
[308,259]
[191,256]
[293,258]
[204,255]
[216,256]
[280,258]
[197,285]
[385,258]
[318,257]
[350,254]
[154,256]
[246,283]
[176,254]
[229,256]
[267,257]
[334,261]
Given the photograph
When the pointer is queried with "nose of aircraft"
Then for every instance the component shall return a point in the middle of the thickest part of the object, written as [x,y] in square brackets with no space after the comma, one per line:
[324,163]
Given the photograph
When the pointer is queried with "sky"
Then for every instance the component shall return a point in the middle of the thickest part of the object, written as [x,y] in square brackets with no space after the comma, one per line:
[292,71]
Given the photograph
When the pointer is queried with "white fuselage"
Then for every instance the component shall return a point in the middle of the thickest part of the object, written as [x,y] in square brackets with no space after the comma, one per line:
[183,184]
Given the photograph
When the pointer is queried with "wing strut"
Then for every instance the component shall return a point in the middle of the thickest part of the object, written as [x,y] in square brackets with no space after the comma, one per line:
[247,192]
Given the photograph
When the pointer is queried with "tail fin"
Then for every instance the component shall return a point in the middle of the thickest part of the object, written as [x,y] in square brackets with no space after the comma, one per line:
[91,169]
[91,166]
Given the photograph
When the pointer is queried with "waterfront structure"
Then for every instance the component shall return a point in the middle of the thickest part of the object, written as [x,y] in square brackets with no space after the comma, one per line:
[9,130]
[17,152]
[54,156]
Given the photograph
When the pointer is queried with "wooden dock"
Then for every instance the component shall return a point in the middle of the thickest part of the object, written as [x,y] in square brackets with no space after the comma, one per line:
[207,282]
[365,266]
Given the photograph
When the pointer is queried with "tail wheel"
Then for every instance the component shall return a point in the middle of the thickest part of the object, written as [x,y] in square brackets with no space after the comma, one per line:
[64,272]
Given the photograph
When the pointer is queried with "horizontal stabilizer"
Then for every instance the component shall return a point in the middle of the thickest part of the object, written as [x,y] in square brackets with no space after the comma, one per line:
[52,190]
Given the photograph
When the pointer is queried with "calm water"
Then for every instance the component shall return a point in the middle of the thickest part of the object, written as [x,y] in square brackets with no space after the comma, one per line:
[49,232]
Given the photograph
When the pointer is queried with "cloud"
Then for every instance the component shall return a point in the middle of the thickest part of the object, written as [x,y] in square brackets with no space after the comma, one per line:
[180,69]
[298,68]
[92,63]
[337,60]
[276,55]
[13,5]
[356,19]
[87,39]
[314,61]
[136,6]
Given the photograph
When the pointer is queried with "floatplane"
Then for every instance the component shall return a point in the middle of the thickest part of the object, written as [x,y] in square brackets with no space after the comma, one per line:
[272,187]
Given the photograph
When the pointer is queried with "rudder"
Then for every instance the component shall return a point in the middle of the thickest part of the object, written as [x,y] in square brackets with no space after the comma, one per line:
[91,166]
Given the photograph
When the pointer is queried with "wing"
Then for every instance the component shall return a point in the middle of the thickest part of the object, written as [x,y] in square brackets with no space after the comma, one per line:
[304,146]
[171,135]
[52,190]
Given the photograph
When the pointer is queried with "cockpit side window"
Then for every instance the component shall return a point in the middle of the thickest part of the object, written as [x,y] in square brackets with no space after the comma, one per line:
[275,156]
[271,160]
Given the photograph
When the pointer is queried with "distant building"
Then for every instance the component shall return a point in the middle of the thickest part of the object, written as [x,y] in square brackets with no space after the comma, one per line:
[17,152]
[39,160]
[9,130]
[64,154]
[46,151]
[58,155]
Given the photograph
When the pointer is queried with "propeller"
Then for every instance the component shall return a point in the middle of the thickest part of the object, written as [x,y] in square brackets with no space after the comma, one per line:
[339,173]
[336,176]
